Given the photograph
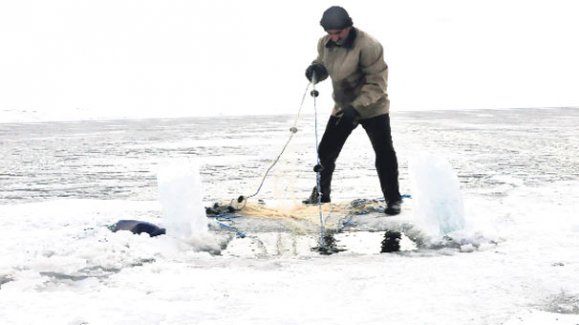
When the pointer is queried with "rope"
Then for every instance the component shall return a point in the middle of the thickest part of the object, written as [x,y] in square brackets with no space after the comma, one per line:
[237,232]
[314,94]
[293,130]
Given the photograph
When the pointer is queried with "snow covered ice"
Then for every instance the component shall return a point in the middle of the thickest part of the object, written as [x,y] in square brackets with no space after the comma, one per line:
[64,183]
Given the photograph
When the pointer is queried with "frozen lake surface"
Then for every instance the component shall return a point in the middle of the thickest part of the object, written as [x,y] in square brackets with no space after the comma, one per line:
[491,150]
[63,183]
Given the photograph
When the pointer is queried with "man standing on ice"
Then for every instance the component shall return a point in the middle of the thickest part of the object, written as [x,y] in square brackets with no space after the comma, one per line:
[355,63]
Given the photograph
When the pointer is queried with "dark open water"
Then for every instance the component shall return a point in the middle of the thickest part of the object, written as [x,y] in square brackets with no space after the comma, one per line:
[492,152]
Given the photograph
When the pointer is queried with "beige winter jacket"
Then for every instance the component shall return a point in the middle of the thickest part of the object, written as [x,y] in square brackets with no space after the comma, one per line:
[358,72]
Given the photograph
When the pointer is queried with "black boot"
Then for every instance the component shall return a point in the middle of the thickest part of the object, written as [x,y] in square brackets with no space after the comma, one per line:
[313,199]
[393,208]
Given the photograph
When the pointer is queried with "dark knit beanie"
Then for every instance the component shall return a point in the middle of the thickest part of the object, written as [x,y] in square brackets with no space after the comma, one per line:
[336,18]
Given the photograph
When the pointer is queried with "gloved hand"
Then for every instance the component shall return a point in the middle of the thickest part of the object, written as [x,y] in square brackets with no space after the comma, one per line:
[319,70]
[349,114]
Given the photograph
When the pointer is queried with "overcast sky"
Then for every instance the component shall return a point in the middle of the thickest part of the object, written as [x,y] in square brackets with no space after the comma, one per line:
[145,58]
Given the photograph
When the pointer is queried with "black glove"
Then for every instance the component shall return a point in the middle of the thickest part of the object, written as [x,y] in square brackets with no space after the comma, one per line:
[319,70]
[349,114]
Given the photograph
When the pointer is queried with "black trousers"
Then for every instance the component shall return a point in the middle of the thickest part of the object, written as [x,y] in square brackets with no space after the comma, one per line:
[379,132]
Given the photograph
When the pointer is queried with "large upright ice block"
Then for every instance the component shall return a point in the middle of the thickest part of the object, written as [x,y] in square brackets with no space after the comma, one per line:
[181,197]
[439,206]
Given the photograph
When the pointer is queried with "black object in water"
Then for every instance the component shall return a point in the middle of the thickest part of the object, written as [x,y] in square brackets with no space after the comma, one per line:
[329,245]
[391,241]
